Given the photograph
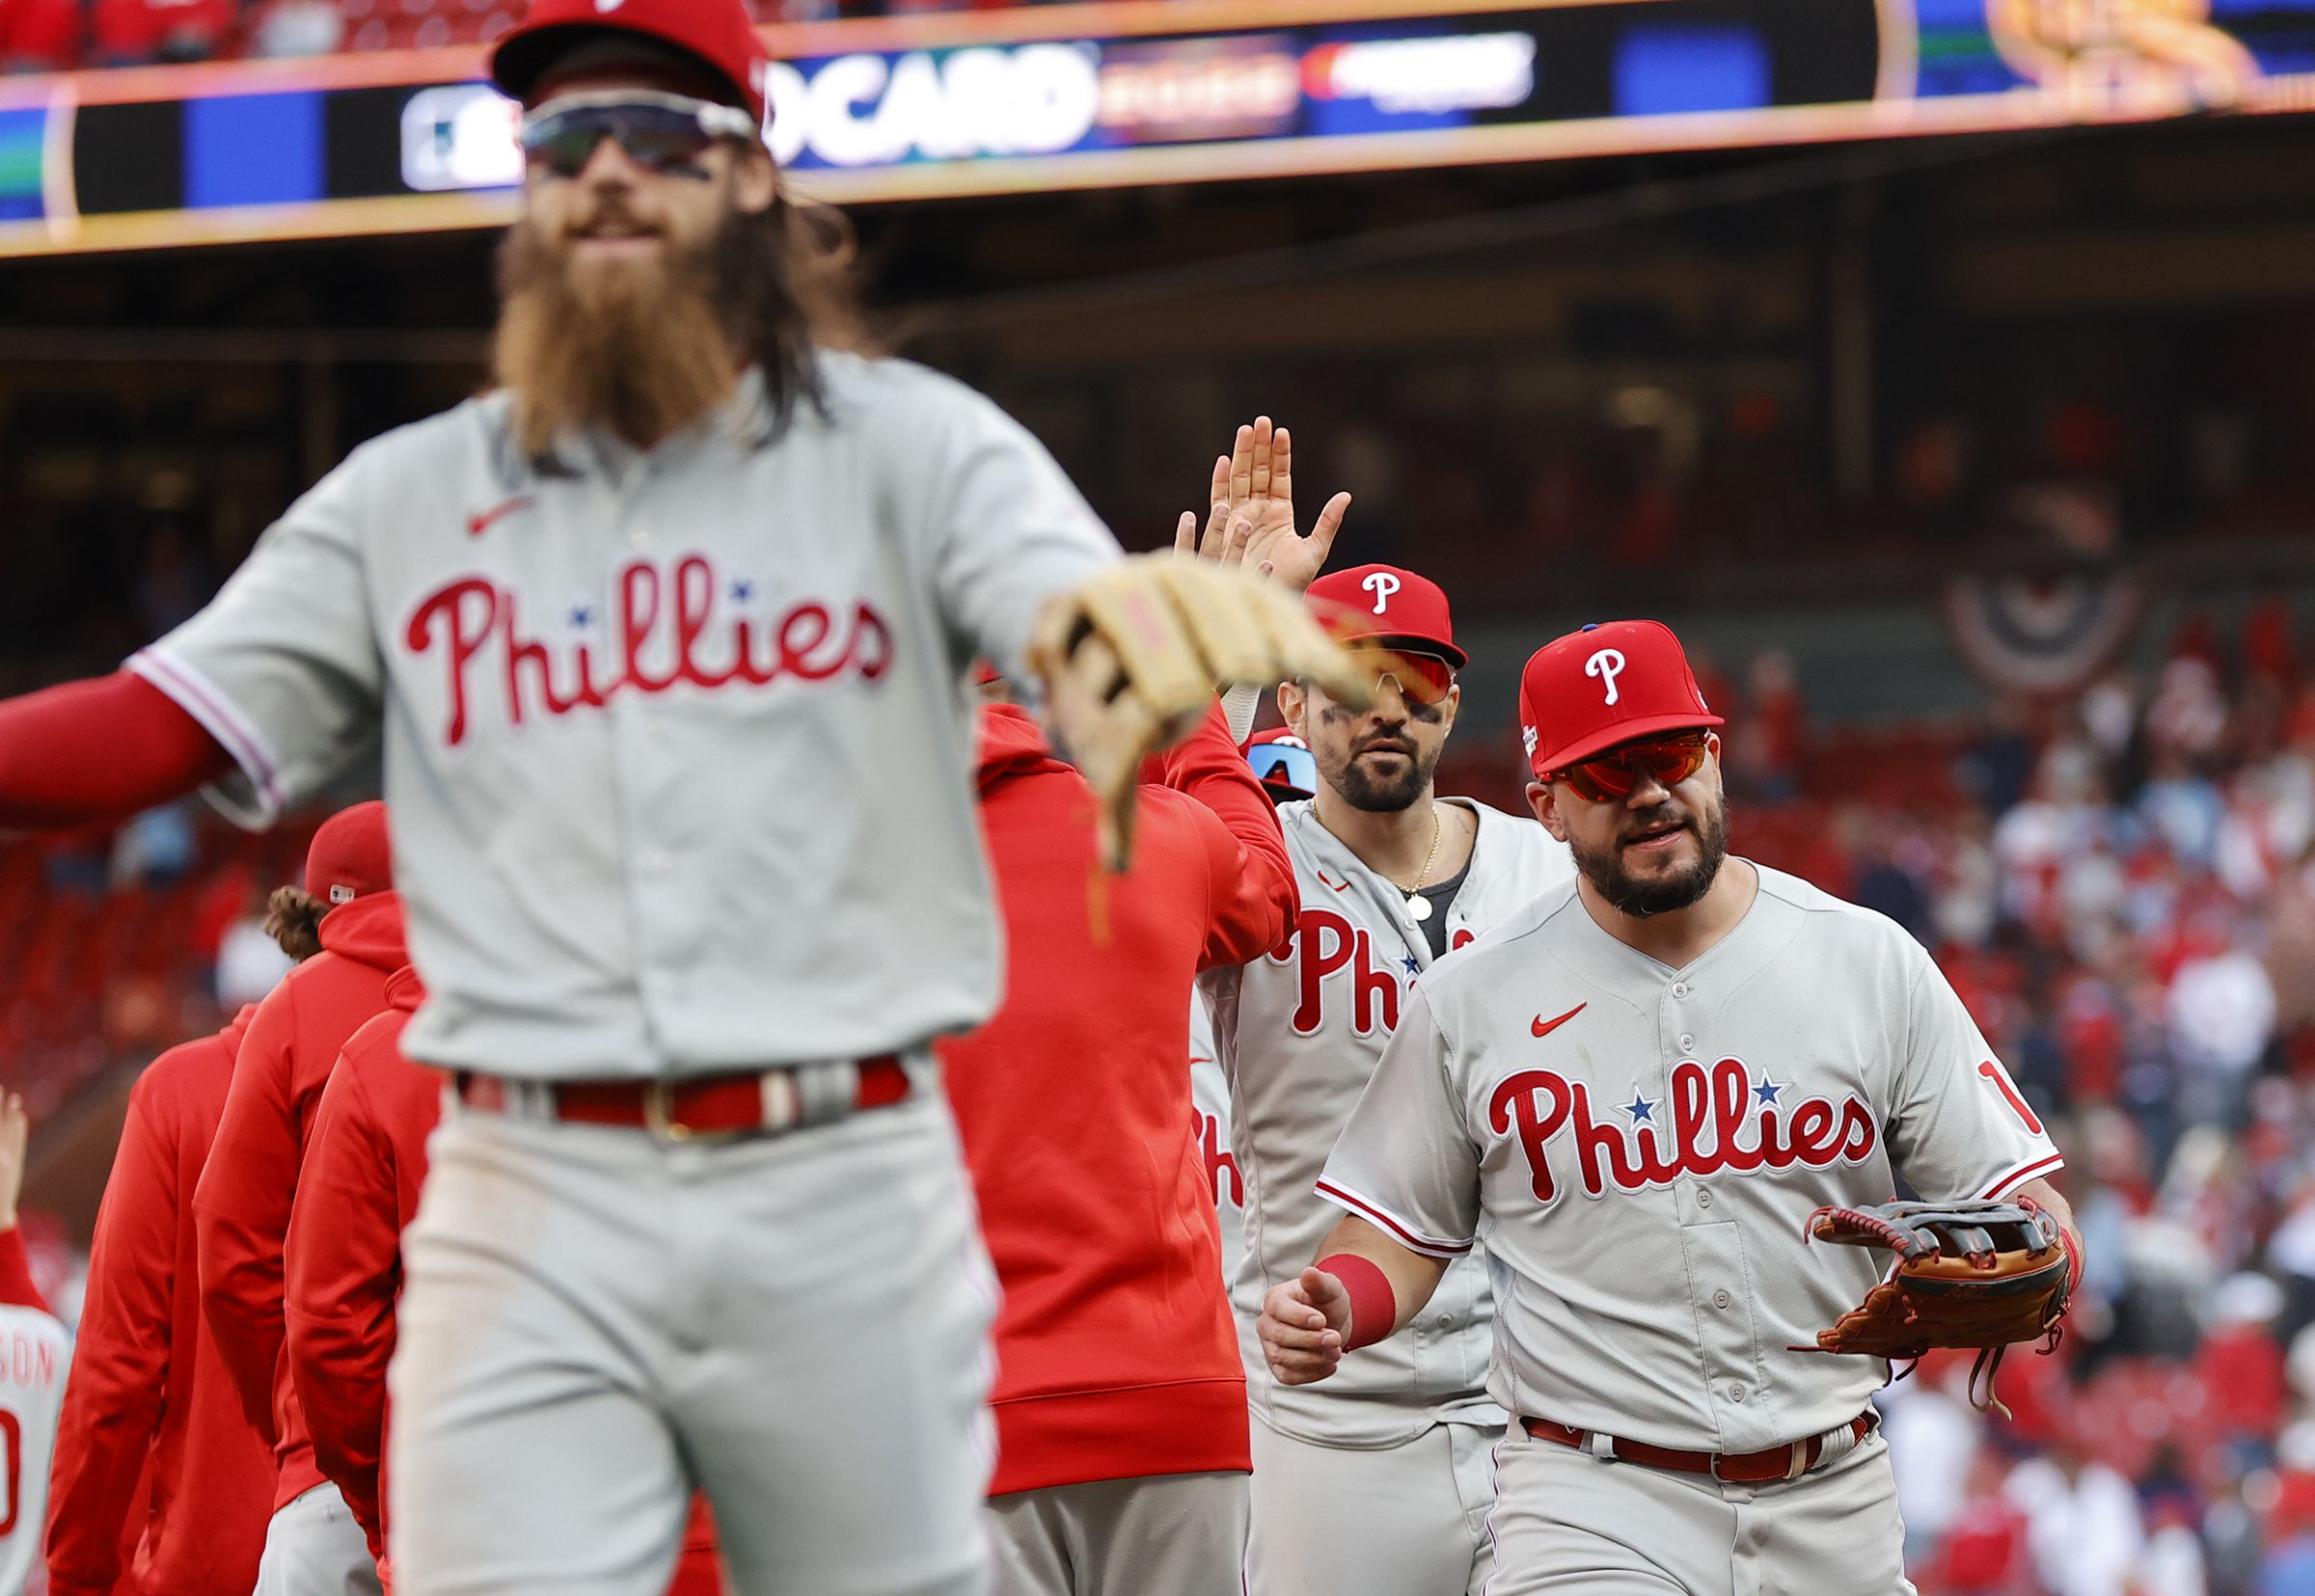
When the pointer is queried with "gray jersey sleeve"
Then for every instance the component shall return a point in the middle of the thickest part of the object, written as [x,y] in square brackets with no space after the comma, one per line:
[282,667]
[1958,1126]
[1405,1162]
[1007,530]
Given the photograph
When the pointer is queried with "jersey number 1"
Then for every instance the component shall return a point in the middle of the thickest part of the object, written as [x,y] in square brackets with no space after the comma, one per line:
[11,1436]
[1994,1072]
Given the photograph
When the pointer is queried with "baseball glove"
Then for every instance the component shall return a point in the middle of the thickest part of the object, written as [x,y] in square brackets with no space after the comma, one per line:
[1130,661]
[1968,1274]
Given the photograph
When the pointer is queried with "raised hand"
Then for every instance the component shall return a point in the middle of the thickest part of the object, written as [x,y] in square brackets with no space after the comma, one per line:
[1303,1325]
[1250,519]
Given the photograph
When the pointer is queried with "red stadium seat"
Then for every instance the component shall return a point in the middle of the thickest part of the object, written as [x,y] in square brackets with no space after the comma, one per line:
[162,30]
[39,35]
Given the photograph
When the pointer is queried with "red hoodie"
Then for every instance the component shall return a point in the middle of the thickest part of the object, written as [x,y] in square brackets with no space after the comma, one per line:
[365,1163]
[1116,1354]
[241,1210]
[147,1388]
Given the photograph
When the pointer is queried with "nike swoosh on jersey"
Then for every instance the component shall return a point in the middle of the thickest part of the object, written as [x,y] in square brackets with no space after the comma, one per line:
[483,522]
[1544,1027]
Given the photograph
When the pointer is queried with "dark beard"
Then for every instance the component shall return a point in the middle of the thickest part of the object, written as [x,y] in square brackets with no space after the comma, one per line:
[1662,894]
[642,350]
[1363,790]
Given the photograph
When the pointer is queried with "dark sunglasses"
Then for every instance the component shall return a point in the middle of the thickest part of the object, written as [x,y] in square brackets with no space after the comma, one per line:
[1611,777]
[1285,764]
[1420,678]
[665,133]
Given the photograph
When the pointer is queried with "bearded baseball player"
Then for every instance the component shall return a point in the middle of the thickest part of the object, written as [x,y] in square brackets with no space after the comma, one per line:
[665,641]
[1637,1094]
[1378,1485]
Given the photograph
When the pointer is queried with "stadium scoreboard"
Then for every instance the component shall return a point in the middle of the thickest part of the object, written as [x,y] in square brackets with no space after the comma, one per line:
[1138,92]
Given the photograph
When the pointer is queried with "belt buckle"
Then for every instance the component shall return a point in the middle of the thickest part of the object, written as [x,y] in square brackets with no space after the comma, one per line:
[659,1105]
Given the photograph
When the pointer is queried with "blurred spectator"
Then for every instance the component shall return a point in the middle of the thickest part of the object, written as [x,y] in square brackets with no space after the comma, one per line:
[125,32]
[2083,1530]
[250,963]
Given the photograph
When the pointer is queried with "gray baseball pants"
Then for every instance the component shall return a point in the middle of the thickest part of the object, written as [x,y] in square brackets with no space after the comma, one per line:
[315,1547]
[1408,1520]
[1180,1534]
[1566,1522]
[597,1321]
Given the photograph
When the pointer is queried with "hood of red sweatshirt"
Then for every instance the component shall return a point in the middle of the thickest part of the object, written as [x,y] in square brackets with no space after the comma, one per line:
[404,991]
[367,930]
[1012,745]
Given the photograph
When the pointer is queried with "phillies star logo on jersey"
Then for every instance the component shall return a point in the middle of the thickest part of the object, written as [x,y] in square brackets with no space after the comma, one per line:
[683,623]
[1709,1122]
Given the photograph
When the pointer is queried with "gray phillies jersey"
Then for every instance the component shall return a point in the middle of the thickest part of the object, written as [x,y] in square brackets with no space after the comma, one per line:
[1638,1148]
[1298,1032]
[675,744]
[1209,1133]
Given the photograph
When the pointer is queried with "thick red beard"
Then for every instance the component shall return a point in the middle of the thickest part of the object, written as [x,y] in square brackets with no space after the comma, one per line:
[639,348]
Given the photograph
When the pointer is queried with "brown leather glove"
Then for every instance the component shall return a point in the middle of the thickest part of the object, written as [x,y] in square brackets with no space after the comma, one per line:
[1968,1274]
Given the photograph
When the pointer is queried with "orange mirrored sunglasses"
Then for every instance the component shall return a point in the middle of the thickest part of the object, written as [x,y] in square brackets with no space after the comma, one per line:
[1610,777]
[1420,678]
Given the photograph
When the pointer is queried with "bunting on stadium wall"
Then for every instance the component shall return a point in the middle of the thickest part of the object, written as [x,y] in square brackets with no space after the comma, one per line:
[2043,632]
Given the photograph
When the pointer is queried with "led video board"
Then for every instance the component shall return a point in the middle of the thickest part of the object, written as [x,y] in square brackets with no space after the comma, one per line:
[1140,92]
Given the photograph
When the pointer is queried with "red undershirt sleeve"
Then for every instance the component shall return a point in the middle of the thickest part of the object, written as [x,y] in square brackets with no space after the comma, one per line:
[98,751]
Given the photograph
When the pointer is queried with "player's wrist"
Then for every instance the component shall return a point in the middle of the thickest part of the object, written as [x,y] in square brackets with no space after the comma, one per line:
[1374,1305]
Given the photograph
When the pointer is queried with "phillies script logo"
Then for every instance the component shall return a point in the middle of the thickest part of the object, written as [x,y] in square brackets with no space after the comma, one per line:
[1323,945]
[664,626]
[1715,1120]
[1206,1138]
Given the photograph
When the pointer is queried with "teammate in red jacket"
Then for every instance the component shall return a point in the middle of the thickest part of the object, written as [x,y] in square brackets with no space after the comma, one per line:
[365,1160]
[1120,1400]
[147,1389]
[241,1210]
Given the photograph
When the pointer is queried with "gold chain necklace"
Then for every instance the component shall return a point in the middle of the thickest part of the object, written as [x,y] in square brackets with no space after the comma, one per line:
[1418,907]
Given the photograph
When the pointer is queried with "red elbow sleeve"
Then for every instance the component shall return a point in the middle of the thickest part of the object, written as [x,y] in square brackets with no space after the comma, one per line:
[1374,1305]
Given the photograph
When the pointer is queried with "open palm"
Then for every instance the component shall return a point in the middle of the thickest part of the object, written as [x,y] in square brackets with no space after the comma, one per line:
[1251,519]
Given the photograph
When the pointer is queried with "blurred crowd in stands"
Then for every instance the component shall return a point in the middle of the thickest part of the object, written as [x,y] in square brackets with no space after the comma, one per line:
[39,36]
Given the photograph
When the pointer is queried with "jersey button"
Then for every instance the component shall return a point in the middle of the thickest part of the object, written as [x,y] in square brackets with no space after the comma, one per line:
[1703,1198]
[1680,989]
[1736,1394]
[1720,1299]
[1446,1321]
[641,538]
[1687,1043]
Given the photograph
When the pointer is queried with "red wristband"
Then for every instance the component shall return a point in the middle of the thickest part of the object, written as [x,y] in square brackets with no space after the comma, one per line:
[1374,1305]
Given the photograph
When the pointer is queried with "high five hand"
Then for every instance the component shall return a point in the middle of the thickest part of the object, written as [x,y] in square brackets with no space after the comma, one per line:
[1252,516]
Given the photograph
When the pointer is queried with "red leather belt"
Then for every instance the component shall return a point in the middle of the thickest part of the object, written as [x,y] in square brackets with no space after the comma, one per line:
[1785,1462]
[737,1105]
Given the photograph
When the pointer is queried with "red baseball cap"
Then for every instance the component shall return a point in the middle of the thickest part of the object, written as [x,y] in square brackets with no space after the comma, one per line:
[1391,606]
[350,856]
[1284,764]
[1609,683]
[715,33]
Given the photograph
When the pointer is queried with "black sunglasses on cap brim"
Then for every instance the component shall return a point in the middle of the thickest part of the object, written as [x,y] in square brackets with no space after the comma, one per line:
[665,133]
